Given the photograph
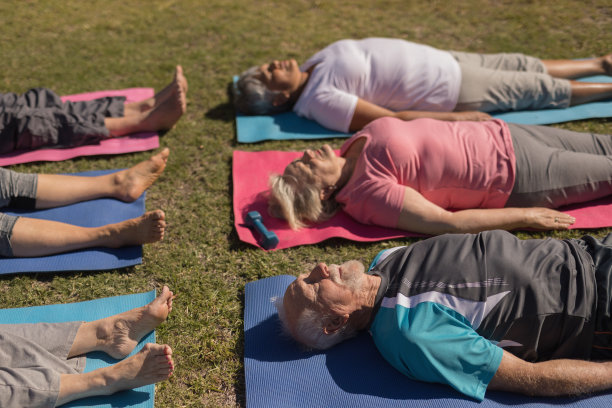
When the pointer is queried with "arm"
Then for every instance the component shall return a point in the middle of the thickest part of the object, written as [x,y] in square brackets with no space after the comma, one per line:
[366,112]
[421,215]
[551,378]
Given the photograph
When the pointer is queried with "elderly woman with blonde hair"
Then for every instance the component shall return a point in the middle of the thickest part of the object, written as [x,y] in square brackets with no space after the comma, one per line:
[434,177]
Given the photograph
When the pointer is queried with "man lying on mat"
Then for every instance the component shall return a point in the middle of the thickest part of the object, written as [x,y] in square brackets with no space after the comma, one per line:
[352,82]
[476,312]
[41,364]
[39,118]
[26,237]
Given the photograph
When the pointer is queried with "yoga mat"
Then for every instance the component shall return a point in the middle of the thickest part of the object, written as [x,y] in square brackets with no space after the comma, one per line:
[250,177]
[142,397]
[278,373]
[289,126]
[86,214]
[137,142]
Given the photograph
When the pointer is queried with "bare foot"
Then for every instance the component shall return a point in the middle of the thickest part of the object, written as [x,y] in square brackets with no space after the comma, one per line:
[131,183]
[178,83]
[146,229]
[166,114]
[118,335]
[150,365]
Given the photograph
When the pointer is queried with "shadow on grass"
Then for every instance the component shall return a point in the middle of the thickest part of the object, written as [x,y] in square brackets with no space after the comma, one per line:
[225,110]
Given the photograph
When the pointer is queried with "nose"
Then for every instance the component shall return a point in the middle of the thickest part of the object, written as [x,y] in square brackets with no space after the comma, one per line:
[319,272]
[308,154]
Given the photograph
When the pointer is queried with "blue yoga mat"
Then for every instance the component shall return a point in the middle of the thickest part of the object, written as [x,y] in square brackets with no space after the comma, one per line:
[352,374]
[86,214]
[289,126]
[142,397]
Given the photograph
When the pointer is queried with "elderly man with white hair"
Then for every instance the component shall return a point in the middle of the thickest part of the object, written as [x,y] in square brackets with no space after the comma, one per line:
[474,311]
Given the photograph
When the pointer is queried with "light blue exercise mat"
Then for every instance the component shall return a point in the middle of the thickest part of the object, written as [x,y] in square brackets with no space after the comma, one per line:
[289,126]
[86,214]
[352,374]
[142,397]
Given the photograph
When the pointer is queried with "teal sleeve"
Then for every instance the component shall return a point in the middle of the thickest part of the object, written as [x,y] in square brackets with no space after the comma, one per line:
[430,342]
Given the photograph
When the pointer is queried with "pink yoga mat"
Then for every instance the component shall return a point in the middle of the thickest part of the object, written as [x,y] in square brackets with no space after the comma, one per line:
[250,176]
[133,143]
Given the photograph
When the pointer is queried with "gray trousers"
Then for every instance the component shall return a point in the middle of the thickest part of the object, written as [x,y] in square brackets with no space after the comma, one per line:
[506,82]
[17,190]
[32,358]
[556,167]
[39,118]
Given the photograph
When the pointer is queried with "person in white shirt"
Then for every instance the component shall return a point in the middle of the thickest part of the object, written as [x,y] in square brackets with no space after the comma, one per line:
[350,83]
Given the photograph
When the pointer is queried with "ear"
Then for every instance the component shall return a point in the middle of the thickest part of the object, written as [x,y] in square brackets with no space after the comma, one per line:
[326,192]
[281,98]
[335,323]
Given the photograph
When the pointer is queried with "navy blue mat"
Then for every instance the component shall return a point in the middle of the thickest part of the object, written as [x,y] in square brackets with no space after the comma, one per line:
[288,125]
[86,214]
[142,397]
[352,374]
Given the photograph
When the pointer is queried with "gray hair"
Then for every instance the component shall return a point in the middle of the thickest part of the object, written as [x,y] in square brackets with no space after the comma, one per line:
[252,97]
[298,200]
[309,328]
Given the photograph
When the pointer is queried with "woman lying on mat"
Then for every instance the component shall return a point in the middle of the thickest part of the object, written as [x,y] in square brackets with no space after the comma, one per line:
[408,175]
[41,364]
[21,236]
[350,83]
[39,118]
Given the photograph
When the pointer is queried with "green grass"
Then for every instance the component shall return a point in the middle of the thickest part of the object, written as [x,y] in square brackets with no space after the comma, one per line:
[76,46]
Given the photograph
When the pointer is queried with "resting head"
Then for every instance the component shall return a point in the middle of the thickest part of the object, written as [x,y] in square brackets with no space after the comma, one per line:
[306,189]
[328,305]
[270,88]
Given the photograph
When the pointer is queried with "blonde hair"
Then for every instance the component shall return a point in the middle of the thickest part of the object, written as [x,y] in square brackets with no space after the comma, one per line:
[298,201]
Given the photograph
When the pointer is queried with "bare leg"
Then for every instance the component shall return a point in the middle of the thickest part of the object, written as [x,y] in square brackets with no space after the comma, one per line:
[33,237]
[178,83]
[118,335]
[579,68]
[152,364]
[583,92]
[126,185]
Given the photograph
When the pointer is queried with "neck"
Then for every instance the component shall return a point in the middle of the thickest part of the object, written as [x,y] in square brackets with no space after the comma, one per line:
[361,317]
[304,77]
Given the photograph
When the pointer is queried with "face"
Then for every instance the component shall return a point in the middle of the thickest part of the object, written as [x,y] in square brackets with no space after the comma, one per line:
[326,289]
[321,166]
[281,76]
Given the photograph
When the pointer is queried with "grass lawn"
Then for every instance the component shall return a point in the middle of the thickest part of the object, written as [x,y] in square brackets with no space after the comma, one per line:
[77,46]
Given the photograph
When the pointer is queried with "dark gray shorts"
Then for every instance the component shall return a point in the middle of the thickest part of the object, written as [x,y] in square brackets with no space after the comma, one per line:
[508,81]
[39,118]
[556,167]
[17,190]
[601,253]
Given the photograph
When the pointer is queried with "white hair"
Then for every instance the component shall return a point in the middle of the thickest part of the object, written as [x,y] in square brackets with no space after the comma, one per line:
[252,97]
[309,328]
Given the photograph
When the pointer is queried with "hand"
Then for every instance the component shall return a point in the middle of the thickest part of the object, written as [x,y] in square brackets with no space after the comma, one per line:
[474,116]
[545,218]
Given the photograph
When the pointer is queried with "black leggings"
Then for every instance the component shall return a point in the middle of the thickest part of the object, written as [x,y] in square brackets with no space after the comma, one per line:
[556,167]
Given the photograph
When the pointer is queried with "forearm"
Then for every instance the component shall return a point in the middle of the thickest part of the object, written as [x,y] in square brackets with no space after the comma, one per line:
[442,221]
[487,219]
[556,378]
[411,115]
